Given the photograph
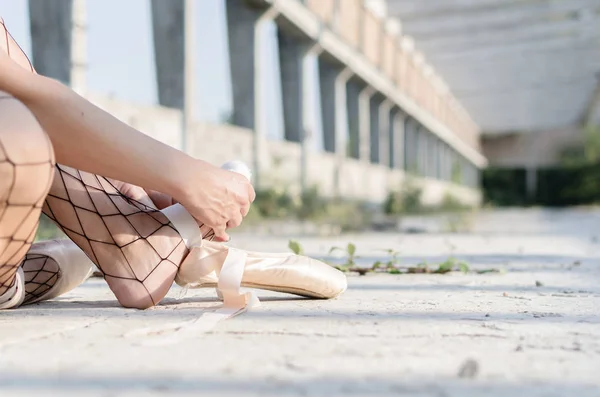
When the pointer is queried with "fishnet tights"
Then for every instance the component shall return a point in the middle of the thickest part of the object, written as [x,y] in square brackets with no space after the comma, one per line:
[134,245]
[41,273]
[25,175]
[17,230]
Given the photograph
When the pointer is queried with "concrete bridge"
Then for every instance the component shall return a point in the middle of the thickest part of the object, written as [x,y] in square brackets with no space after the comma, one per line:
[528,72]
[384,111]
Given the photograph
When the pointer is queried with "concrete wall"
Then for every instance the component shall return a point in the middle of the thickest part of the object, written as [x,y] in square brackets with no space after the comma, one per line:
[161,123]
[389,52]
[324,9]
[220,143]
[349,21]
[371,40]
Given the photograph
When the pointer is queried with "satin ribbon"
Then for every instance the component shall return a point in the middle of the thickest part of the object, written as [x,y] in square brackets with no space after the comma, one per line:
[229,273]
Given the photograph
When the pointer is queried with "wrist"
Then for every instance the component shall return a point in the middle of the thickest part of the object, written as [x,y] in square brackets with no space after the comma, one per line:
[187,173]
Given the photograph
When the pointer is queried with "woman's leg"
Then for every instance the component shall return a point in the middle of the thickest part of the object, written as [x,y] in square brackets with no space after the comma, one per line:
[26,169]
[134,245]
[41,274]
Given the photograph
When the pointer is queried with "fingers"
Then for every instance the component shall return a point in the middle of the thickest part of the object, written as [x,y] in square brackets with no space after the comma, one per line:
[135,193]
[244,210]
[220,234]
[160,200]
[205,230]
[147,201]
[235,221]
[251,193]
[222,239]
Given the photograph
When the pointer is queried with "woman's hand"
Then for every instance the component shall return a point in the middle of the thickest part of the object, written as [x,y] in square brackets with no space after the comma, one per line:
[150,198]
[217,198]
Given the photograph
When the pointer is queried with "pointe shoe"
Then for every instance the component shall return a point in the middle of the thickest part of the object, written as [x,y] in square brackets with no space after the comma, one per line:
[74,266]
[212,264]
[287,273]
[15,295]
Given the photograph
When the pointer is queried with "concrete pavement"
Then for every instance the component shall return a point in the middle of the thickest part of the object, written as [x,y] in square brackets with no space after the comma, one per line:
[532,331]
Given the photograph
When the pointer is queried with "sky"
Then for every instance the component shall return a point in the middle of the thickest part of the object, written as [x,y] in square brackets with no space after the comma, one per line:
[120,56]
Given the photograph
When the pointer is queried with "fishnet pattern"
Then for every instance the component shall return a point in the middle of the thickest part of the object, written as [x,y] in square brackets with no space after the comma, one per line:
[41,274]
[21,200]
[19,210]
[135,246]
[9,41]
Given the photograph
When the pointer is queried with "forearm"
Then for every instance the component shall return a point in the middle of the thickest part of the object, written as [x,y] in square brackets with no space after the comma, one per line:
[87,138]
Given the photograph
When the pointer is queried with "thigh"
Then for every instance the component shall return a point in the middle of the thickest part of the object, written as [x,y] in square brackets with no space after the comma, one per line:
[26,172]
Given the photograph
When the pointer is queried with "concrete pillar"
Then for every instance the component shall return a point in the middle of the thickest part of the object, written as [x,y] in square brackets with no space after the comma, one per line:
[468,173]
[51,26]
[431,160]
[398,141]
[431,155]
[365,123]
[411,147]
[334,108]
[531,173]
[291,53]
[309,120]
[449,162]
[417,147]
[247,41]
[447,166]
[343,142]
[385,130]
[531,182]
[428,153]
[437,172]
[443,161]
[168,24]
[297,65]
[390,150]
[327,77]
[354,117]
[259,100]
[375,131]
[174,50]
[422,151]
[456,170]
[78,48]
[245,28]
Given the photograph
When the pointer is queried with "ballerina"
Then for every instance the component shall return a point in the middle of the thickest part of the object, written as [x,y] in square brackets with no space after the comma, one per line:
[113,191]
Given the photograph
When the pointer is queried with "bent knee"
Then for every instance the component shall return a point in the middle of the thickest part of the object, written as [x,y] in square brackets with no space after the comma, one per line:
[131,302]
[26,155]
[130,293]
[137,294]
[23,140]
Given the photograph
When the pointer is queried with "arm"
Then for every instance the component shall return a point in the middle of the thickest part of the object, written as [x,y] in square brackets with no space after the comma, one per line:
[87,138]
